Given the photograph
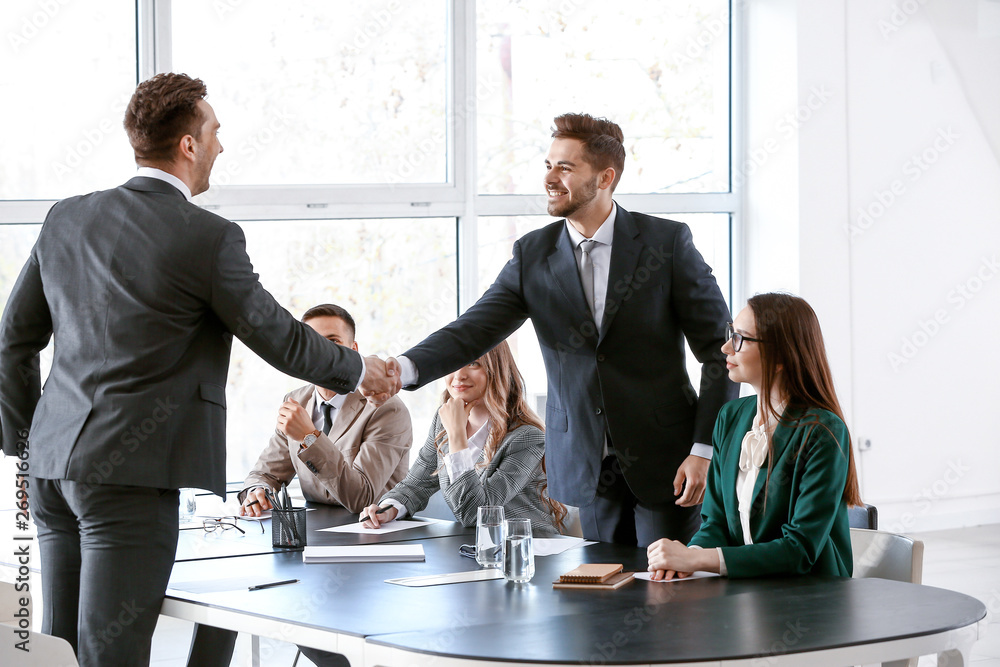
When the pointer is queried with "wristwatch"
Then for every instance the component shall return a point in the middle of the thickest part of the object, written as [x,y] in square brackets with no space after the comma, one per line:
[310,438]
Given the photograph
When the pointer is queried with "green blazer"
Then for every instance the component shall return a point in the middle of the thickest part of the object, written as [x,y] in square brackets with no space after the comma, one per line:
[800,525]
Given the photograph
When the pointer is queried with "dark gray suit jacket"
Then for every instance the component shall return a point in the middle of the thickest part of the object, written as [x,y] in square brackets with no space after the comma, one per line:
[628,379]
[143,292]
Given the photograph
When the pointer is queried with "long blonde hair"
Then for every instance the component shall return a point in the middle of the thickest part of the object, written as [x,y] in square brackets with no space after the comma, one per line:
[507,410]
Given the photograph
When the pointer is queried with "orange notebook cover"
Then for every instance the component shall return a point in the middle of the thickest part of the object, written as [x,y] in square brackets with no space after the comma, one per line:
[590,573]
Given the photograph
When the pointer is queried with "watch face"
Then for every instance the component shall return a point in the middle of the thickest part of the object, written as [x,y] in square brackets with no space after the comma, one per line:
[309,439]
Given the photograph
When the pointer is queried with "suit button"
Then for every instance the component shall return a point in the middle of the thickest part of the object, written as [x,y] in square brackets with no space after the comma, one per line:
[598,411]
[309,464]
[600,357]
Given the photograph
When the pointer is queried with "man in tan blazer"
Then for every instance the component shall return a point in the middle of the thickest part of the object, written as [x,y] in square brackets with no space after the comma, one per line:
[347,454]
[350,454]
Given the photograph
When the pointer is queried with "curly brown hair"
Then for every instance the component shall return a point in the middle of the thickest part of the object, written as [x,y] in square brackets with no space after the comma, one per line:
[163,109]
[602,141]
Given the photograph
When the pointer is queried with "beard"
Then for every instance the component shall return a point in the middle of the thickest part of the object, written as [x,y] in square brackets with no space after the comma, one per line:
[574,202]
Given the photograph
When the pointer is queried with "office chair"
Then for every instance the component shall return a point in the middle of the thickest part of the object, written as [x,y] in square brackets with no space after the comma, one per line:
[46,650]
[865,516]
[887,556]
[9,603]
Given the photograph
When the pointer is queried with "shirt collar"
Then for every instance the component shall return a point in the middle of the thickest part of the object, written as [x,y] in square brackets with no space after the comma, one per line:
[337,401]
[605,233]
[159,174]
[478,438]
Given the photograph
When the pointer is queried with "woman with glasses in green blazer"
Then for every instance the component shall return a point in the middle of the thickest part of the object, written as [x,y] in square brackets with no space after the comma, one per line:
[782,474]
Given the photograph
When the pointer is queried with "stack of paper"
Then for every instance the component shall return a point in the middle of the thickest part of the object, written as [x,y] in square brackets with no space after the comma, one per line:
[364,553]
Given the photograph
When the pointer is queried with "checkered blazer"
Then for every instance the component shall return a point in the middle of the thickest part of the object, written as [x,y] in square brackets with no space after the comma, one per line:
[513,478]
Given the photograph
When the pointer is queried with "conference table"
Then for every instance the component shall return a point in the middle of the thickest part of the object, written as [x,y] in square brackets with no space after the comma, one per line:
[350,609]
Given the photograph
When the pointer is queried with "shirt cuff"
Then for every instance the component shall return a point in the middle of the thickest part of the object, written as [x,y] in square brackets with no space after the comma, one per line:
[400,507]
[702,450]
[458,463]
[363,367]
[408,375]
[723,572]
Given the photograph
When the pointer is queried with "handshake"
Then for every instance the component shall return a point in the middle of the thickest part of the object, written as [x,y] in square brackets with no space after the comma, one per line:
[382,381]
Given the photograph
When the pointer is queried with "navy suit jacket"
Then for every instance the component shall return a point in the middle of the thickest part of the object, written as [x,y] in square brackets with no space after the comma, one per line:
[143,292]
[629,378]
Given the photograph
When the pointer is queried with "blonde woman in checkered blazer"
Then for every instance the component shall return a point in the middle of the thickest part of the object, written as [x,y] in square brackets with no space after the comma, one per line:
[485,447]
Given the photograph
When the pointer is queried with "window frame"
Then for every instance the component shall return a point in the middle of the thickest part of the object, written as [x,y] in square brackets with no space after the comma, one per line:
[458,197]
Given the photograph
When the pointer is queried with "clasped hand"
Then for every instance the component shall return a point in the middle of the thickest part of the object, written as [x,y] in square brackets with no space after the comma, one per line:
[382,380]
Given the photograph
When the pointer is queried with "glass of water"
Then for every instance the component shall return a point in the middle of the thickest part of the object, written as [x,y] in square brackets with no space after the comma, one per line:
[489,536]
[187,504]
[518,553]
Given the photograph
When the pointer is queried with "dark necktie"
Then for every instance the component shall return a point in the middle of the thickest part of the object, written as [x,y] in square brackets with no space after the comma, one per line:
[327,416]
[587,274]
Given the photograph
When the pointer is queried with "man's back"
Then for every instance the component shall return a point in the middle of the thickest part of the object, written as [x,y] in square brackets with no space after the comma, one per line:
[143,290]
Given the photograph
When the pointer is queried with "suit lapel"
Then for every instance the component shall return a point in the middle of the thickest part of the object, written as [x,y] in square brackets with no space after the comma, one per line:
[731,470]
[779,443]
[565,273]
[625,250]
[346,415]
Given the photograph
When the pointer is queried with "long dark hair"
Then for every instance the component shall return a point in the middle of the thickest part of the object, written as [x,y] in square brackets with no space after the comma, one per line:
[505,403]
[793,355]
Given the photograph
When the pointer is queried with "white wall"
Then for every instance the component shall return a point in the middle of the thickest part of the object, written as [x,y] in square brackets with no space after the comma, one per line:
[901,121]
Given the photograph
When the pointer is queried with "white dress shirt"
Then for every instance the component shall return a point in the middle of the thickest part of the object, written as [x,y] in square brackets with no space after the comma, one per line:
[160,175]
[600,255]
[337,402]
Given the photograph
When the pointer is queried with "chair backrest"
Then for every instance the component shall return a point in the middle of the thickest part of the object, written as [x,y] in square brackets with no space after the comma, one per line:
[10,602]
[886,556]
[44,650]
[865,516]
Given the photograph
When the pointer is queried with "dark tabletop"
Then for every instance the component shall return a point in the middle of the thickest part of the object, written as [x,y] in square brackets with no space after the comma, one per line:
[703,619]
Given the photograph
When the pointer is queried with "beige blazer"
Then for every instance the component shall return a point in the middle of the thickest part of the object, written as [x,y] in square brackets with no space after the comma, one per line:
[365,455]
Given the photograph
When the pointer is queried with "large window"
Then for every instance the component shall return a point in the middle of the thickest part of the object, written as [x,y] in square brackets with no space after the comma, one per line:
[383,155]
[321,91]
[67,70]
[659,69]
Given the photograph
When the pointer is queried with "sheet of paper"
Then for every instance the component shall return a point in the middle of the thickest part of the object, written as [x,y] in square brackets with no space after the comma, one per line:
[218,585]
[455,578]
[550,546]
[391,527]
[647,576]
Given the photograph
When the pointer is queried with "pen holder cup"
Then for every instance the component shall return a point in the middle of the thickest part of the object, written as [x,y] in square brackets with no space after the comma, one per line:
[288,528]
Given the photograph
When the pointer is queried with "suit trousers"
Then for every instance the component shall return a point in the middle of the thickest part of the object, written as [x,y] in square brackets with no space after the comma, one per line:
[616,515]
[106,555]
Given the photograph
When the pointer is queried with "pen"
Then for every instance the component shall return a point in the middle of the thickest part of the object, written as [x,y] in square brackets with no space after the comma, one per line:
[378,511]
[273,584]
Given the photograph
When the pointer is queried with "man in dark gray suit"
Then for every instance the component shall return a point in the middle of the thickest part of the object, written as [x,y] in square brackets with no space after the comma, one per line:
[612,295]
[143,292]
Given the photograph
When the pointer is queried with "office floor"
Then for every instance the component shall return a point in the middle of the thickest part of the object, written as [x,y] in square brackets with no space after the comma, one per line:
[965,560]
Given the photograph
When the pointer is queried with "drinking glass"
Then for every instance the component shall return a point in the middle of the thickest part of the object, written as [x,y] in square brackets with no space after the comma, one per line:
[186,505]
[518,553]
[489,536]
